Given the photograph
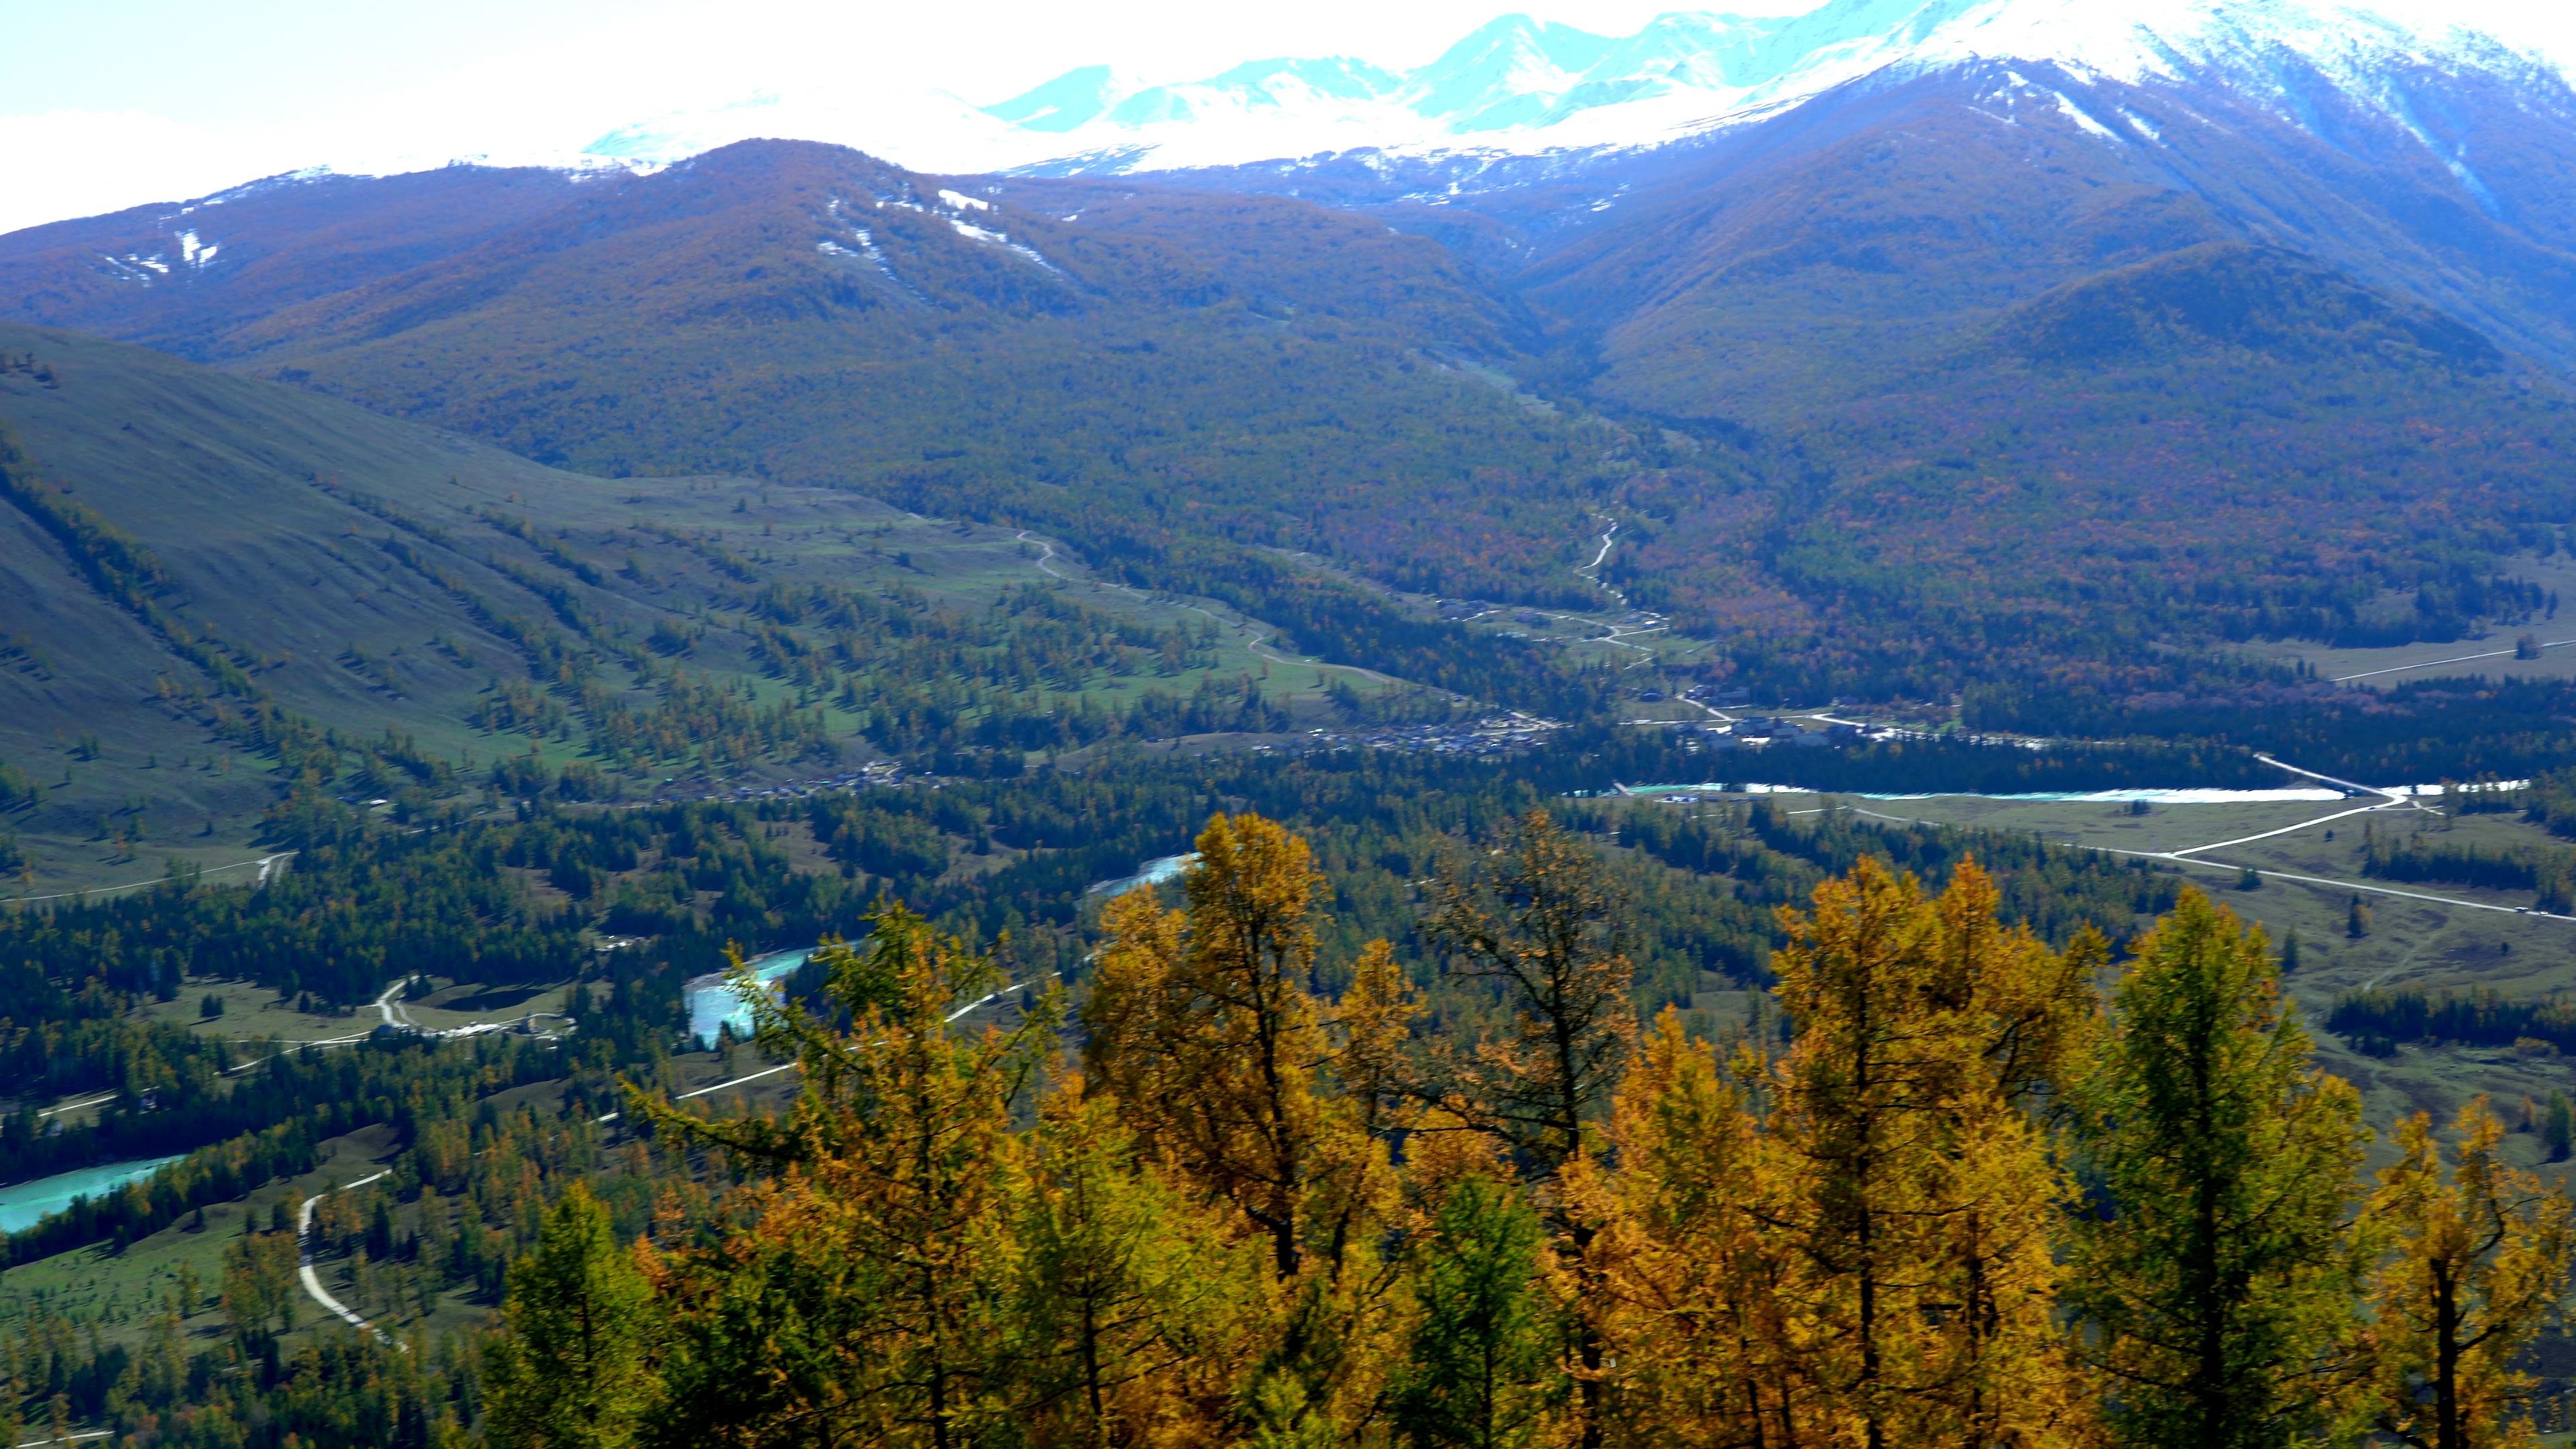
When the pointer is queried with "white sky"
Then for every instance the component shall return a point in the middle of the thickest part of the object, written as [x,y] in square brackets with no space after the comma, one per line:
[107,105]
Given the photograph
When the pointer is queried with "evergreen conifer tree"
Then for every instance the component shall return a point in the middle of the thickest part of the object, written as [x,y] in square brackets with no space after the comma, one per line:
[1481,1369]
[1133,1310]
[571,1372]
[1537,924]
[2218,1282]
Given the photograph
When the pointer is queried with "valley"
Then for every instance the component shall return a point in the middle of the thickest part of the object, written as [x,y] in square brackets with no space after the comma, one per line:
[1596,740]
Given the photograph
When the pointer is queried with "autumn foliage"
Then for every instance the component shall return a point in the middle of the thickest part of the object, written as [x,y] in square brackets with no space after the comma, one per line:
[1986,1193]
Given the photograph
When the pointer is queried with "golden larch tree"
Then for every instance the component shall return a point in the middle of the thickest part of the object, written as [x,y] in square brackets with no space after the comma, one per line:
[1917,1195]
[2475,1268]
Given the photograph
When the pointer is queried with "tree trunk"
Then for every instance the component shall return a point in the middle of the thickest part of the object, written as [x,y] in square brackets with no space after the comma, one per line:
[2447,1430]
[1091,1370]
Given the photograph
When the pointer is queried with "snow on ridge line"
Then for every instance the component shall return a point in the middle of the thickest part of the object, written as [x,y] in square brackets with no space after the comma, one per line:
[1738,70]
[1681,76]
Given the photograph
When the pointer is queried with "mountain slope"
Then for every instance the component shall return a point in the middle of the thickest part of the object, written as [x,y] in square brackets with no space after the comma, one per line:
[1149,372]
[224,589]
[1867,360]
[167,275]
[2048,390]
[1809,273]
[219,572]
[2219,443]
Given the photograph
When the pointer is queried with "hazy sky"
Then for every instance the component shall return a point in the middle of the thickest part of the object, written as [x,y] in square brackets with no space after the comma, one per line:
[105,105]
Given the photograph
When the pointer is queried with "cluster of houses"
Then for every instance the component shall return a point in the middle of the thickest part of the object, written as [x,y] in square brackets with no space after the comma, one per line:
[877,772]
[1494,735]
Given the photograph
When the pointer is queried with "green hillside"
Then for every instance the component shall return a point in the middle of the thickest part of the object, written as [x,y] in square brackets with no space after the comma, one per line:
[1940,405]
[1949,370]
[227,586]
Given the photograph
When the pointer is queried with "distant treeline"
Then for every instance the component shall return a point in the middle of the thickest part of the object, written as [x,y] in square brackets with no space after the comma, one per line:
[219,1173]
[2550,801]
[309,1095]
[2550,872]
[1912,767]
[2471,1018]
[2057,893]
[2417,733]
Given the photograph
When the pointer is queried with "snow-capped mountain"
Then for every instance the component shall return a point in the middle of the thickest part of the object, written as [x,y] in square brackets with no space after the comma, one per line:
[1522,86]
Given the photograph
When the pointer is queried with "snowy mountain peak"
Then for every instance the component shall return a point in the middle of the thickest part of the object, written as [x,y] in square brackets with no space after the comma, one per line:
[1517,84]
[1072,99]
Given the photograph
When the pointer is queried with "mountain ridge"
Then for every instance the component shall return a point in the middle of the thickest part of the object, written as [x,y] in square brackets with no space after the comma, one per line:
[1519,86]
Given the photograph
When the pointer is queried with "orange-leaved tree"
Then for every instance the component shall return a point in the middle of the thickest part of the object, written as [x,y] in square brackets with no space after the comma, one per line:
[2476,1267]
[1701,1319]
[1203,1026]
[1916,1195]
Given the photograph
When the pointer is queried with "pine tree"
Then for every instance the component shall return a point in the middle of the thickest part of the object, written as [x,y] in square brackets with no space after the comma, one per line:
[2478,1265]
[1481,1369]
[2558,1127]
[1541,927]
[571,1372]
[863,1304]
[2218,1283]
[1131,1305]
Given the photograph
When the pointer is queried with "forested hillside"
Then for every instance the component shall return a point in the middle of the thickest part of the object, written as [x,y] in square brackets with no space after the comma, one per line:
[1941,362]
[2055,399]
[1167,378]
